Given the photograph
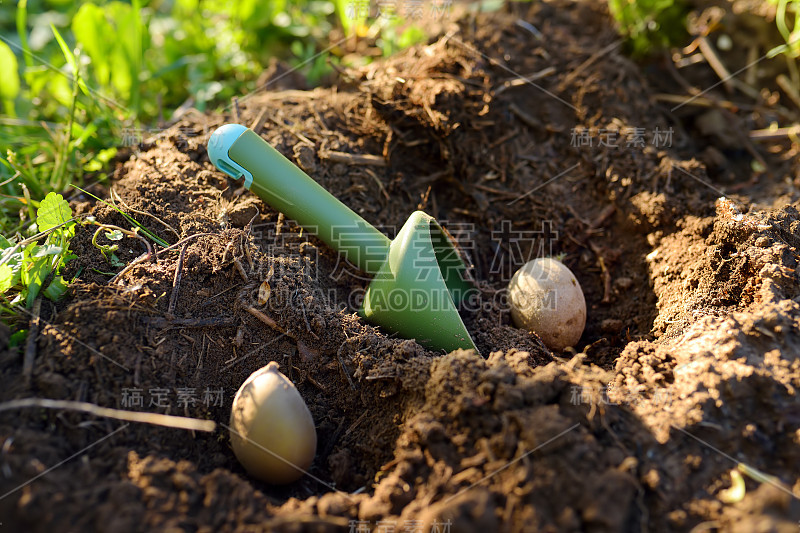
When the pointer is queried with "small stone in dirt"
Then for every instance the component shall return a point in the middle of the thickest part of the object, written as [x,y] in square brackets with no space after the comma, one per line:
[304,155]
[53,385]
[546,298]
[611,325]
[763,241]
[623,284]
[241,214]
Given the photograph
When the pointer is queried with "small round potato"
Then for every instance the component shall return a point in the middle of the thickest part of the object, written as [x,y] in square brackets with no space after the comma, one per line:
[272,432]
[545,298]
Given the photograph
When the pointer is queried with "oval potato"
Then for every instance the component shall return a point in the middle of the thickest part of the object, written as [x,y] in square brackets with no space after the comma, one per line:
[546,298]
[271,429]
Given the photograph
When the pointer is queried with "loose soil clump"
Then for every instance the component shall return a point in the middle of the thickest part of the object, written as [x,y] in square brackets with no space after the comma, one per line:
[689,363]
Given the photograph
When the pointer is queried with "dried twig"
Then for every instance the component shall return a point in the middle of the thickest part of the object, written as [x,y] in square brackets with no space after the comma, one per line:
[176,282]
[236,113]
[379,182]
[357,422]
[604,272]
[775,134]
[510,135]
[569,78]
[237,360]
[305,318]
[178,422]
[528,119]
[144,257]
[524,80]
[316,383]
[343,367]
[699,101]
[240,269]
[714,62]
[265,319]
[726,78]
[789,88]
[353,159]
[345,372]
[258,123]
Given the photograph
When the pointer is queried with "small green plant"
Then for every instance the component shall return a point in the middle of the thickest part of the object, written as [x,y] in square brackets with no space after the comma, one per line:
[650,25]
[108,250]
[29,268]
[137,227]
[786,11]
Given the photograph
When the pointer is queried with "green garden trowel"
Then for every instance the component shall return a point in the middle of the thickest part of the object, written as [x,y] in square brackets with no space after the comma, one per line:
[418,278]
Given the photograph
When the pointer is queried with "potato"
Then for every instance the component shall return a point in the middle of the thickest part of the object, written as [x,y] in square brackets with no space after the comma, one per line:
[545,298]
[271,430]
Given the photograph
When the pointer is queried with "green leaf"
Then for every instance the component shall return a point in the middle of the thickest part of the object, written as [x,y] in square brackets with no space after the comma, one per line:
[9,81]
[33,278]
[91,29]
[100,160]
[14,260]
[17,338]
[411,36]
[6,278]
[115,235]
[114,261]
[53,210]
[22,25]
[125,58]
[56,289]
[43,251]
[68,55]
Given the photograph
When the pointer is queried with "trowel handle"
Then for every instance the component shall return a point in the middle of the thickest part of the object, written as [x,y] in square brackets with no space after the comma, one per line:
[241,153]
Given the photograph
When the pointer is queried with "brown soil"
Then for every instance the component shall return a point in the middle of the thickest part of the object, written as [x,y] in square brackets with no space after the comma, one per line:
[688,365]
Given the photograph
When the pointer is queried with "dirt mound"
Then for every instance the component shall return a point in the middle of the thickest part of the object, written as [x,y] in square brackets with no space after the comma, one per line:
[688,365]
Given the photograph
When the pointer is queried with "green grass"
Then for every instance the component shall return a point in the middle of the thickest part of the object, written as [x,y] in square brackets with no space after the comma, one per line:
[80,79]
[653,25]
[78,76]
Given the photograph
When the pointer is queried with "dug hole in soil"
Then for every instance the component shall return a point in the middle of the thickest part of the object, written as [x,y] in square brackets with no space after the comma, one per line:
[688,364]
